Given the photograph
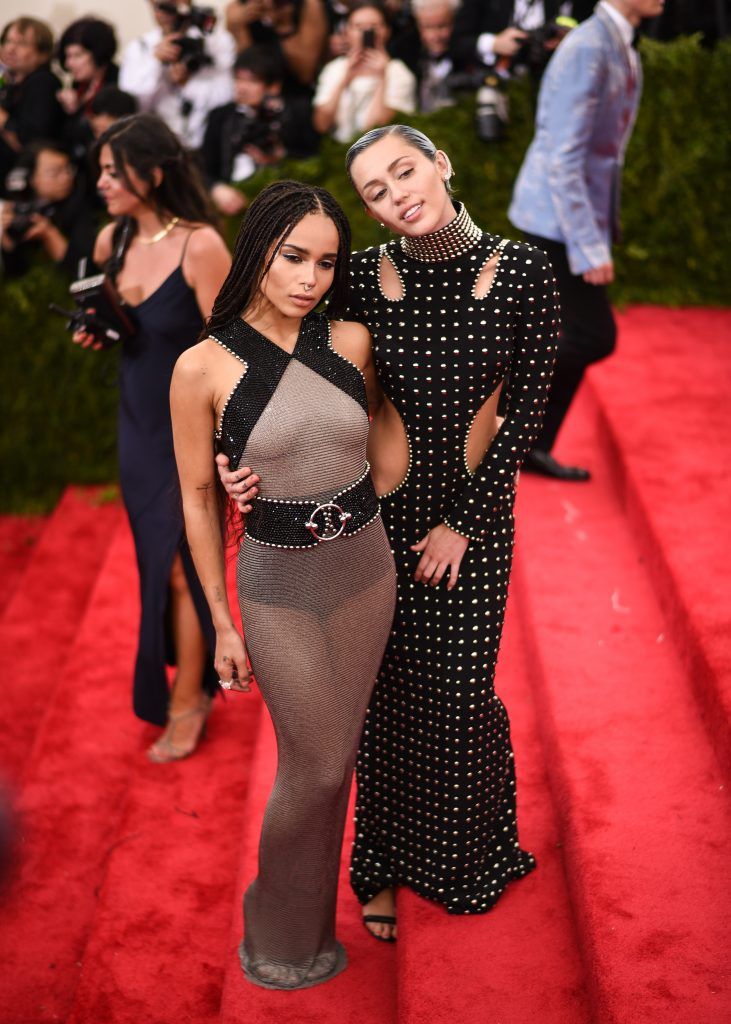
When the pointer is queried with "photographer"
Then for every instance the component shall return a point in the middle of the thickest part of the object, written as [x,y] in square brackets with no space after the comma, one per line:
[85,51]
[425,51]
[108,106]
[258,129]
[29,108]
[365,88]
[181,69]
[51,211]
[488,32]
[296,29]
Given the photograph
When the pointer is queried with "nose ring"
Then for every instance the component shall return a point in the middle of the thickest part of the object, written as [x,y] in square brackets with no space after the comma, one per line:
[308,287]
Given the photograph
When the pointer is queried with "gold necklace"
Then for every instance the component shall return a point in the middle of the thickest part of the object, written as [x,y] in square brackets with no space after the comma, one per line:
[161,233]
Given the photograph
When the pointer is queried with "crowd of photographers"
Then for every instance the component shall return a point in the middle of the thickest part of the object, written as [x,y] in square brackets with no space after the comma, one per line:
[265,80]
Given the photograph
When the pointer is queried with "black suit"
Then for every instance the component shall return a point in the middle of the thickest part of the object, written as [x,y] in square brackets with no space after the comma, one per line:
[477,16]
[295,132]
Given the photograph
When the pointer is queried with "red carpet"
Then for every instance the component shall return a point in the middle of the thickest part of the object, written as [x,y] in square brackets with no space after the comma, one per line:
[125,903]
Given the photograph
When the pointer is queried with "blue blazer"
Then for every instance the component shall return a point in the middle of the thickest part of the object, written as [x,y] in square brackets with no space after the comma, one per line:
[568,187]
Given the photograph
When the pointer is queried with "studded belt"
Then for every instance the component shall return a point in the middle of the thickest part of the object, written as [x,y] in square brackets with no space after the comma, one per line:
[291,523]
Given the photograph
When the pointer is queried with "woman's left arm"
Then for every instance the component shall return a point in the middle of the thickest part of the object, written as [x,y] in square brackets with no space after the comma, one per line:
[470,517]
[206,263]
[527,387]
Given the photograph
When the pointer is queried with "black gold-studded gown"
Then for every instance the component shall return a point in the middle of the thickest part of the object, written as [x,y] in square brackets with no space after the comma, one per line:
[436,806]
[316,621]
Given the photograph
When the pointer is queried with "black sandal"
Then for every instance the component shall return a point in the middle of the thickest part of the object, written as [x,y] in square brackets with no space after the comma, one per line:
[378,919]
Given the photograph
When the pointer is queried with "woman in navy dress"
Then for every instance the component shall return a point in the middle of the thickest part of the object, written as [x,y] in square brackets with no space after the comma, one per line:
[168,263]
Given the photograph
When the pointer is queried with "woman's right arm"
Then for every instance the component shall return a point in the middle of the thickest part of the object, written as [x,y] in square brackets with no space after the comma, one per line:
[191,407]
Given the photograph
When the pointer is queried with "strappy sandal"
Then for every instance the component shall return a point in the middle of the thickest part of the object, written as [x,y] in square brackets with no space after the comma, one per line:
[163,751]
[379,919]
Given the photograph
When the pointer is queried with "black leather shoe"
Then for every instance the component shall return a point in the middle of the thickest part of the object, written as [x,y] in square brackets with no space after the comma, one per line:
[544,464]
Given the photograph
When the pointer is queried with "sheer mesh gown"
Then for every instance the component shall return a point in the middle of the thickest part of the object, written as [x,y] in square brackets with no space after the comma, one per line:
[316,622]
[436,807]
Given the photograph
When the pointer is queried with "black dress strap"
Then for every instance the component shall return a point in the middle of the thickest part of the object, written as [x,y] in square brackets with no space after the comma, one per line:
[185,245]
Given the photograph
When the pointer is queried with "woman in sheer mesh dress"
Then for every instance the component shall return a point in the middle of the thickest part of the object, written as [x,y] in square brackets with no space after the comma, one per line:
[461,321]
[285,389]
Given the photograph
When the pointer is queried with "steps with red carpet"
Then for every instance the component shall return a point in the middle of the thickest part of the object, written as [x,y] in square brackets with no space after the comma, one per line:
[72,797]
[641,798]
[520,963]
[159,936]
[363,994]
[18,538]
[42,617]
[664,420]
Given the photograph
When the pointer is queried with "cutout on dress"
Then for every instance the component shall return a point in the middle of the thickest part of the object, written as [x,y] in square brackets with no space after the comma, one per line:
[391,285]
[232,372]
[483,429]
[389,452]
[486,276]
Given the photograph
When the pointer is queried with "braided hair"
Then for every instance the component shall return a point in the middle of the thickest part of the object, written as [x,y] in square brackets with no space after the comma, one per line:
[266,225]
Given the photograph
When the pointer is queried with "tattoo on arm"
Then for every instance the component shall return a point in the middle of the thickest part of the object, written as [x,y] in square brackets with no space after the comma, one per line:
[204,487]
[217,595]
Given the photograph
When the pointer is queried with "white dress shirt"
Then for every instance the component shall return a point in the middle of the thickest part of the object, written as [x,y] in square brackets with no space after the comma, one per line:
[184,108]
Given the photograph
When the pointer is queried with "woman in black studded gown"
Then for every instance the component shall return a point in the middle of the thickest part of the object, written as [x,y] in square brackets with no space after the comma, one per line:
[459,318]
[288,392]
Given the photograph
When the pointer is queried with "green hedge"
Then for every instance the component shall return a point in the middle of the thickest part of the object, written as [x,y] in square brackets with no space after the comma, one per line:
[59,403]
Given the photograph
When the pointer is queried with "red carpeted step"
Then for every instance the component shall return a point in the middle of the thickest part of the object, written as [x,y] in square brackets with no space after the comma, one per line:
[160,932]
[157,942]
[72,797]
[520,962]
[365,993]
[641,798]
[18,538]
[42,617]
[665,422]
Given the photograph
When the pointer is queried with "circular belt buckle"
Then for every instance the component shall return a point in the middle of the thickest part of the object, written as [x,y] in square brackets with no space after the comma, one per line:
[342,516]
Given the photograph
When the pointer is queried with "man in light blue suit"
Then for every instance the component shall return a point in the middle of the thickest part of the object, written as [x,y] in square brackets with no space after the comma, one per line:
[566,197]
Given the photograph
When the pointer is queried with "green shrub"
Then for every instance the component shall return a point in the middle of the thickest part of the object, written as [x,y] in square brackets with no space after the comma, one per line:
[60,402]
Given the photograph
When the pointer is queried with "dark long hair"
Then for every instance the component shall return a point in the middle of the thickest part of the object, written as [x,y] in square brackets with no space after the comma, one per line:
[267,223]
[143,142]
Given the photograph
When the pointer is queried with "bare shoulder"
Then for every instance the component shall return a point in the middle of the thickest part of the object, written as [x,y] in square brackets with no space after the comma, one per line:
[103,244]
[205,242]
[352,340]
[194,365]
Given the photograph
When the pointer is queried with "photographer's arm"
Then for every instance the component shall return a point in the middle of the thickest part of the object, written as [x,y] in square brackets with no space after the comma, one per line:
[191,407]
[303,42]
[53,240]
[334,79]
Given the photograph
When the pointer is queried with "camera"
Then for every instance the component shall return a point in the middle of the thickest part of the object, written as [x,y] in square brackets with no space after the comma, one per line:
[98,311]
[533,53]
[369,39]
[192,47]
[491,111]
[261,128]
[23,212]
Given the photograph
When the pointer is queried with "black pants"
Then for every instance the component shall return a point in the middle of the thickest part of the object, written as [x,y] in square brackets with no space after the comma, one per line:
[588,334]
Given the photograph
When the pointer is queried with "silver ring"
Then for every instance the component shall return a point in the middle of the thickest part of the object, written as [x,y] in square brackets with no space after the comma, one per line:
[225,684]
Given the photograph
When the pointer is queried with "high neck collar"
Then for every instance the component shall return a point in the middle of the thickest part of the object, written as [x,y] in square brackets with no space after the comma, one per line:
[454,239]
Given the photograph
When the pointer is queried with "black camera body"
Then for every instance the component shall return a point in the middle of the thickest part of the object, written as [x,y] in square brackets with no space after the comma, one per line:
[260,129]
[192,47]
[23,212]
[98,311]
[533,53]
